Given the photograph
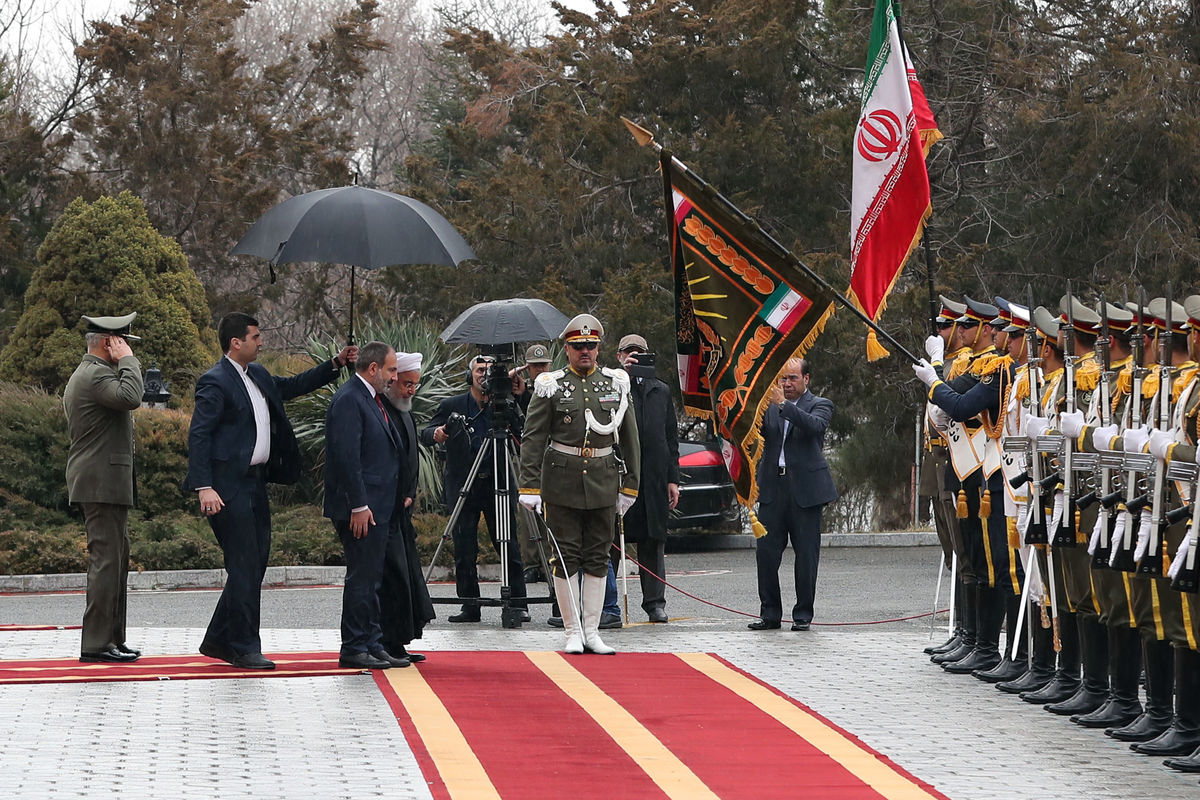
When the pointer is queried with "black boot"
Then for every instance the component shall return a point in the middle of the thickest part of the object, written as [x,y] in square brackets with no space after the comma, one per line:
[967,601]
[1093,689]
[1160,693]
[1008,669]
[956,638]
[1066,678]
[1189,764]
[1124,669]
[1184,734]
[989,609]
[1041,669]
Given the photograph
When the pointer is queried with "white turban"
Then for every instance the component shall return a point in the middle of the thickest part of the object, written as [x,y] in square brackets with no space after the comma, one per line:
[408,362]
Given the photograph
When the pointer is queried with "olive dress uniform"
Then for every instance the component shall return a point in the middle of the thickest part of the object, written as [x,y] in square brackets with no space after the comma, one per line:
[99,400]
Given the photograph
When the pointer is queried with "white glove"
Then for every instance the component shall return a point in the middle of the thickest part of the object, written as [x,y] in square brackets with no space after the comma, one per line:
[935,348]
[1071,423]
[925,371]
[1160,442]
[1124,520]
[1145,528]
[1056,517]
[1102,437]
[531,501]
[1097,531]
[939,418]
[624,503]
[1135,439]
[1035,426]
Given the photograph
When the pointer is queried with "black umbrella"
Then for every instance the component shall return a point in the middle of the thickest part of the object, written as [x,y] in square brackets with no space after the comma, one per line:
[517,319]
[356,226]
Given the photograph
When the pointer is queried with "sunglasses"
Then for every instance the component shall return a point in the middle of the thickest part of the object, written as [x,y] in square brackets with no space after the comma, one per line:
[583,345]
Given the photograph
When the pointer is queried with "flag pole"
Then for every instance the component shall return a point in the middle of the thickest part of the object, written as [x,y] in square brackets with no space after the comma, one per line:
[646,139]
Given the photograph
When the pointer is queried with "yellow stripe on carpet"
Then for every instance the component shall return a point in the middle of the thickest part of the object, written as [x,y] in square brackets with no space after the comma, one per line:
[863,764]
[456,763]
[671,774]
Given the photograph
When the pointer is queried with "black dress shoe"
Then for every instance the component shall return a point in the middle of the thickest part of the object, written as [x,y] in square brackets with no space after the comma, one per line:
[534,575]
[217,652]
[1171,742]
[251,661]
[110,656]
[124,648]
[1143,729]
[361,661]
[1084,701]
[524,615]
[1006,670]
[657,615]
[609,622]
[464,616]
[944,647]
[1113,714]
[1188,764]
[395,661]
[763,625]
[555,622]
[1056,691]
[415,658]
[801,626]
[1030,681]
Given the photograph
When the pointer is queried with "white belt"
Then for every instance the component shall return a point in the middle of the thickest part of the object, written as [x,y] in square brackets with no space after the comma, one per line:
[586,452]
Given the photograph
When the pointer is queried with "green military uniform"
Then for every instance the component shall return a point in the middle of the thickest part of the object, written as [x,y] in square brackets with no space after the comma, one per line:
[99,400]
[579,426]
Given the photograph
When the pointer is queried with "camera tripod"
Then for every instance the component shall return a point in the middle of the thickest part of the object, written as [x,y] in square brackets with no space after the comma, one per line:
[500,450]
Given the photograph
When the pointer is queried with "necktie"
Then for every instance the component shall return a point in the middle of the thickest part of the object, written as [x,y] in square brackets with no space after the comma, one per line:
[382,410]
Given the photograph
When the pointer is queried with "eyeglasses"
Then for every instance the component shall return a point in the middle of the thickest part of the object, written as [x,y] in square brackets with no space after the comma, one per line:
[789,378]
[583,345]
[410,385]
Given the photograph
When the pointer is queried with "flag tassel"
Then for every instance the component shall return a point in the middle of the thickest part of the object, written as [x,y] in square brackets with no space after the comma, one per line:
[875,351]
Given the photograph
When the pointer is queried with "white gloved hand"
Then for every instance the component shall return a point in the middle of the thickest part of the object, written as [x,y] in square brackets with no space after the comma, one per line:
[1056,516]
[531,501]
[1160,443]
[1035,426]
[1103,436]
[1135,439]
[1071,423]
[1145,528]
[624,503]
[925,371]
[935,348]
[939,418]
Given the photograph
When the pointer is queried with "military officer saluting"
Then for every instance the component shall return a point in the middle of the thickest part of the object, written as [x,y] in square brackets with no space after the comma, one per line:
[99,401]
[579,459]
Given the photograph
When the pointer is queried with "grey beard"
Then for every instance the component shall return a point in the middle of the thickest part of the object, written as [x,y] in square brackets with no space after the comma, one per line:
[401,403]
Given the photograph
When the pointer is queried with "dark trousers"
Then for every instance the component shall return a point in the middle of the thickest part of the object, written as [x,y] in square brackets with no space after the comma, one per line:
[108,575]
[802,526]
[582,538]
[360,594]
[243,529]
[404,604]
[482,499]
[652,557]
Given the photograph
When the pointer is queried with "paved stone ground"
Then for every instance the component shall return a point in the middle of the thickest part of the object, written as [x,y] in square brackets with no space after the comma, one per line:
[336,737]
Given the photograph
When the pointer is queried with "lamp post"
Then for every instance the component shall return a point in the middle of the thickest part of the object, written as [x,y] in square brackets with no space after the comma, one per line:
[157,391]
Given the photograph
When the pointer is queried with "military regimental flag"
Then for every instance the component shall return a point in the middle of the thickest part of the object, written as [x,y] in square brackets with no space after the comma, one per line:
[890,198]
[742,309]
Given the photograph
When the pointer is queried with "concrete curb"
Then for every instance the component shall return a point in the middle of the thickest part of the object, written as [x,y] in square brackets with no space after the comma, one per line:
[335,576]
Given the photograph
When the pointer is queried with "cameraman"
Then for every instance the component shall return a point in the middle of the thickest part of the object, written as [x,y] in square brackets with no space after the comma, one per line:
[462,423]
[537,361]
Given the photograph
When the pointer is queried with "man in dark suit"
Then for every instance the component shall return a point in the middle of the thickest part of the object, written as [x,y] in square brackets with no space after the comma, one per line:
[463,439]
[240,439]
[794,485]
[362,479]
[99,401]
[404,604]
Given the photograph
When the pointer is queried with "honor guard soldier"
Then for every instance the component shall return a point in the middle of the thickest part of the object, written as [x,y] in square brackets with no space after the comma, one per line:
[99,401]
[973,403]
[937,482]
[579,460]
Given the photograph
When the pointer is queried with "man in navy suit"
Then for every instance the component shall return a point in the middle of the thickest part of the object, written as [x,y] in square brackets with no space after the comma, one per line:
[240,439]
[362,474]
[463,441]
[794,485]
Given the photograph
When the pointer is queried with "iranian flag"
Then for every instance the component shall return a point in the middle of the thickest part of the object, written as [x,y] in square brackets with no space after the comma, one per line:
[890,198]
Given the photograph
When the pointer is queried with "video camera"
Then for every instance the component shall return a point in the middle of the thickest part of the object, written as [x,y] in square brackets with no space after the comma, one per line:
[497,384]
[644,368]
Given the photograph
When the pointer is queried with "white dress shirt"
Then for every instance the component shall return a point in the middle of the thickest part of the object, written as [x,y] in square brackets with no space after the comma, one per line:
[262,416]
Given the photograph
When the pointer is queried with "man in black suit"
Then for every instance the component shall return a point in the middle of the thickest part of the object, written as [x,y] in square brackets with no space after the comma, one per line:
[463,439]
[240,439]
[404,604]
[794,485]
[362,478]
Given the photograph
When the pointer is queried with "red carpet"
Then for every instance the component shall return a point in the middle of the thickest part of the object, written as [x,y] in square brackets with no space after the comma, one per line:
[544,725]
[14,627]
[156,668]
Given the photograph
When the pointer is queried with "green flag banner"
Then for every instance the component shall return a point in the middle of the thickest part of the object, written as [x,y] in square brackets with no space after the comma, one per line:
[741,311]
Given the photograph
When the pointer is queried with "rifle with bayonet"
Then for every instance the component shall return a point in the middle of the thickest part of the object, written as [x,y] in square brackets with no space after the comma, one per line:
[1151,562]
[1133,464]
[1064,534]
[1103,491]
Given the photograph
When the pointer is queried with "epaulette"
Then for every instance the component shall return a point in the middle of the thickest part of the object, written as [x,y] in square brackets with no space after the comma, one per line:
[620,378]
[1186,373]
[1150,385]
[546,384]
[1087,376]
[991,364]
[961,359]
[1021,383]
[1125,383]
